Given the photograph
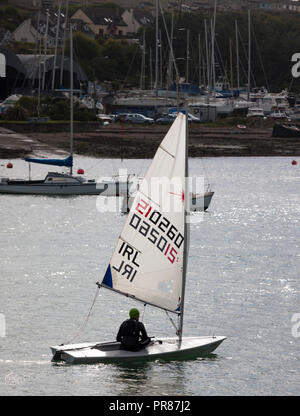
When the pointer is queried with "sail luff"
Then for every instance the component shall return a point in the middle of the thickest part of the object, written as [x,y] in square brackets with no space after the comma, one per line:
[147,261]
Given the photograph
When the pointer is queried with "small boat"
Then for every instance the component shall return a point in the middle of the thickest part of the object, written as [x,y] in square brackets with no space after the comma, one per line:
[285,130]
[279,114]
[149,263]
[198,202]
[64,184]
[61,183]
[255,112]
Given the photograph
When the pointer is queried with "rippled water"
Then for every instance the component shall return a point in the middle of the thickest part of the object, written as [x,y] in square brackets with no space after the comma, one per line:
[243,282]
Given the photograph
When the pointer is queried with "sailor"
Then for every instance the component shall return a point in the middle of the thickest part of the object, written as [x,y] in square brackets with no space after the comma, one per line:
[132,333]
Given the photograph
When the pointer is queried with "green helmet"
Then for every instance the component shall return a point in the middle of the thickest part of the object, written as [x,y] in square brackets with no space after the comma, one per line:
[134,313]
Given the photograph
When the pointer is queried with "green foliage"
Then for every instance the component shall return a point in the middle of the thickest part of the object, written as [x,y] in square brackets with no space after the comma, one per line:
[123,63]
[86,50]
[17,112]
[61,111]
[30,104]
[11,17]
[23,47]
[275,37]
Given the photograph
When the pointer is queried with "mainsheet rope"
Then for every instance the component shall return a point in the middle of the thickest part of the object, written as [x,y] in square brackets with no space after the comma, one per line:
[88,316]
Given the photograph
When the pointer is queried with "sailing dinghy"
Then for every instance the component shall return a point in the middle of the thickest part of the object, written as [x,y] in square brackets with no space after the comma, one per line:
[149,263]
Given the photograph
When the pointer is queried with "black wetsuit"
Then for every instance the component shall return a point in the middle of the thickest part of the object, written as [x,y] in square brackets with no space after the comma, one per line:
[133,336]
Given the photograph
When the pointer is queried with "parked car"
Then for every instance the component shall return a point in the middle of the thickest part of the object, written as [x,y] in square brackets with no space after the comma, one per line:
[120,117]
[138,119]
[165,119]
[104,118]
[191,117]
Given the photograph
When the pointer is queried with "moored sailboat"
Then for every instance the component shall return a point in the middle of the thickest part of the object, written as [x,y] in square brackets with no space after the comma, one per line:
[56,183]
[149,263]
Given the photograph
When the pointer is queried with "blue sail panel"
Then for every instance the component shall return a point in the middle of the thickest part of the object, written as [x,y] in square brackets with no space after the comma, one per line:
[68,162]
[107,280]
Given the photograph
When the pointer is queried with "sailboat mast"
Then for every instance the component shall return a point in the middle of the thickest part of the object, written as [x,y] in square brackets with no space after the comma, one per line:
[63,44]
[186,208]
[249,54]
[56,44]
[71,96]
[156,48]
[237,57]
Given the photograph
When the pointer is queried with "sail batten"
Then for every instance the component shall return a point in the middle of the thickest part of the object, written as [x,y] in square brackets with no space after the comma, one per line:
[147,263]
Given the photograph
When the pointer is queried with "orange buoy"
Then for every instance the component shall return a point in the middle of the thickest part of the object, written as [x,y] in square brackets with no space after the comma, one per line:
[80,171]
[294,162]
[9,165]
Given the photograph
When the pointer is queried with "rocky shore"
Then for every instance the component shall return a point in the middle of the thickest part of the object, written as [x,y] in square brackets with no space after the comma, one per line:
[127,141]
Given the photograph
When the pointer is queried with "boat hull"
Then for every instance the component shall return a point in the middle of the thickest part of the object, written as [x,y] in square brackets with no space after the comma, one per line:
[31,188]
[163,349]
[199,202]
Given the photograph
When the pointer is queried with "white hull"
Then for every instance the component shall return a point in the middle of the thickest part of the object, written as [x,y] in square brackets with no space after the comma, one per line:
[164,348]
[63,185]
[108,189]
[199,202]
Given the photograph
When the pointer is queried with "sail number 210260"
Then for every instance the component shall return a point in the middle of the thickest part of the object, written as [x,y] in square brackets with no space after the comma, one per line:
[157,229]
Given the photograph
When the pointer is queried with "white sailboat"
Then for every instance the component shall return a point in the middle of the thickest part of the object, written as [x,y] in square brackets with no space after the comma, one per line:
[149,263]
[56,183]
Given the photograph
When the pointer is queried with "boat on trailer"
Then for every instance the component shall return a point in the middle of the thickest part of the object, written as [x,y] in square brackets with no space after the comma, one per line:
[149,263]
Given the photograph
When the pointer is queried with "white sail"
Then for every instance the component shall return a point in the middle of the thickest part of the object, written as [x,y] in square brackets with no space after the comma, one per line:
[148,260]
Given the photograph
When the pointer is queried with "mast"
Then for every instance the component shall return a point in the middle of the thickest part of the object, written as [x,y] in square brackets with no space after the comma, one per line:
[249,57]
[71,96]
[187,54]
[213,29]
[45,48]
[186,208]
[237,57]
[231,72]
[199,53]
[207,63]
[56,43]
[63,44]
[142,78]
[156,48]
[150,66]
[39,70]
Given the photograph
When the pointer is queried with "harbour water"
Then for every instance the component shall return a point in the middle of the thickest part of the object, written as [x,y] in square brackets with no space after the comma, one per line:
[243,282]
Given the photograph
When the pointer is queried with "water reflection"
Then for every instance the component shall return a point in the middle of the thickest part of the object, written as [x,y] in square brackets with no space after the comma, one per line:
[160,377]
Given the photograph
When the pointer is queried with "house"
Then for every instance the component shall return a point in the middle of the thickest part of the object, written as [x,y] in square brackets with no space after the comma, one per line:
[102,21]
[6,37]
[146,5]
[276,5]
[136,18]
[30,29]
[36,26]
[82,27]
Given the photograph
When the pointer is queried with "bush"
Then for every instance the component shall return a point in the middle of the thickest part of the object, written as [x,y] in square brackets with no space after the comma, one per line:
[17,113]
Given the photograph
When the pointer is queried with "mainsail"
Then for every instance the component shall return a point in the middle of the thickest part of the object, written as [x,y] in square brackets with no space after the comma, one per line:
[147,263]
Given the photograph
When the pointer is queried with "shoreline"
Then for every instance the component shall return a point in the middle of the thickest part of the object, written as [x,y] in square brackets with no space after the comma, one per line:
[141,142]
